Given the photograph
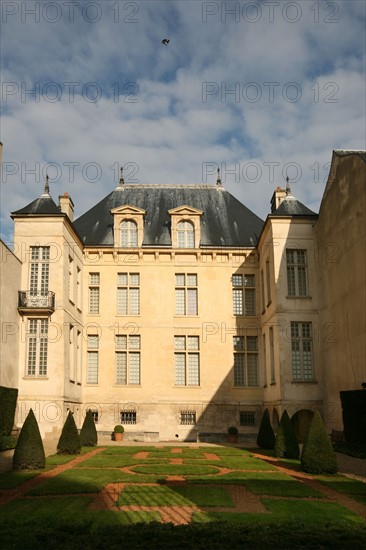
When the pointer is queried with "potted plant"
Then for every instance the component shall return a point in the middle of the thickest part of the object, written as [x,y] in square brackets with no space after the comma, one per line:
[233,434]
[118,432]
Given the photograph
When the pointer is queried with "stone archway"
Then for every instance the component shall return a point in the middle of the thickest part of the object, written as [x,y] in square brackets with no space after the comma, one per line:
[301,422]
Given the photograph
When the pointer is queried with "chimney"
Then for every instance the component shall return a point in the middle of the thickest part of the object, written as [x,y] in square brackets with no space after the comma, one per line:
[277,197]
[66,205]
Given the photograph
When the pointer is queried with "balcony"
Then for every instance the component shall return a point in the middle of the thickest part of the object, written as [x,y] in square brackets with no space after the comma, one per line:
[39,302]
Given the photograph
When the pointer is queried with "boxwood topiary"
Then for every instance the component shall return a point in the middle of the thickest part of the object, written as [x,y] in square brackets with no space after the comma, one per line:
[317,455]
[8,402]
[286,444]
[88,432]
[69,442]
[29,452]
[266,438]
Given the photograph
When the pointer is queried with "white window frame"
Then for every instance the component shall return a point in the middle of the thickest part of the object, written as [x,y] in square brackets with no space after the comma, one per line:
[94,293]
[128,293]
[39,270]
[186,360]
[92,375]
[302,351]
[37,347]
[129,234]
[185,234]
[244,299]
[246,361]
[186,294]
[127,360]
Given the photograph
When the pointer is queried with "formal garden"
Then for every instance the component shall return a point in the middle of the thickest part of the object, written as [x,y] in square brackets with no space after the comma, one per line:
[179,496]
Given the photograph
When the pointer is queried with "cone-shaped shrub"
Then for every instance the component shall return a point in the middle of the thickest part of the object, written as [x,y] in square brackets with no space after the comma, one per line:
[69,442]
[286,444]
[317,455]
[266,437]
[88,432]
[29,451]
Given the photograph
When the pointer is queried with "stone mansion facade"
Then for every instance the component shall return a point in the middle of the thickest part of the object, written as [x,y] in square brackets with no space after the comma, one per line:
[177,312]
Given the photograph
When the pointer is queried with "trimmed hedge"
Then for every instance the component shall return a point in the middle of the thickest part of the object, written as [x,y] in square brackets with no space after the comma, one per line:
[8,402]
[29,452]
[69,442]
[286,444]
[88,432]
[317,455]
[354,416]
[266,438]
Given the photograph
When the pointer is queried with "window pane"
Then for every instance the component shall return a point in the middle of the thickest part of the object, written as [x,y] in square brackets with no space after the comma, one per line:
[94,278]
[134,342]
[249,301]
[121,368]
[94,300]
[238,301]
[122,301]
[252,343]
[193,342]
[180,369]
[191,280]
[249,280]
[291,286]
[32,354]
[180,342]
[238,342]
[252,365]
[192,301]
[134,368]
[93,341]
[180,307]
[193,372]
[121,341]
[237,280]
[180,279]
[134,301]
[134,279]
[122,279]
[239,374]
[35,253]
[301,272]
[92,375]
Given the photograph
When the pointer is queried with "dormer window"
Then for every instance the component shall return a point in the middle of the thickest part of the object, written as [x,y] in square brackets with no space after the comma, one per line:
[128,226]
[185,233]
[186,226]
[128,234]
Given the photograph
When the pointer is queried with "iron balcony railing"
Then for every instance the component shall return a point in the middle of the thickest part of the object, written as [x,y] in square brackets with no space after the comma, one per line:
[36,300]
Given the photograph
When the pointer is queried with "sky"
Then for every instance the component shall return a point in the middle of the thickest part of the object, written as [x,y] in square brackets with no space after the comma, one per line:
[261,89]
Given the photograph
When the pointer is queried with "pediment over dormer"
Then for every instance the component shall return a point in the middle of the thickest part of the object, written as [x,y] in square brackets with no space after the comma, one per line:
[185,210]
[127,209]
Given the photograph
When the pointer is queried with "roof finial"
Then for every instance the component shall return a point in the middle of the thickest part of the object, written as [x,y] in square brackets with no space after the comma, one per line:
[218,181]
[46,186]
[288,188]
[121,180]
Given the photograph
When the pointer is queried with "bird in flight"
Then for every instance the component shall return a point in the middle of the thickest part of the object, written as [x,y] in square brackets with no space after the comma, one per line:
[165,41]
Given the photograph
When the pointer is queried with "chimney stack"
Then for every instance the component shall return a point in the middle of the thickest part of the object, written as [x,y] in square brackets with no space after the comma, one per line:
[66,205]
[277,197]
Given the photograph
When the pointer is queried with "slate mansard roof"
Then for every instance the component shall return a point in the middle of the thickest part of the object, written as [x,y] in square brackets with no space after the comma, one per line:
[225,221]
[43,205]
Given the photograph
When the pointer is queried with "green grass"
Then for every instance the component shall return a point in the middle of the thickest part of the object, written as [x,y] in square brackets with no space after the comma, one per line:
[175,469]
[344,485]
[175,495]
[9,480]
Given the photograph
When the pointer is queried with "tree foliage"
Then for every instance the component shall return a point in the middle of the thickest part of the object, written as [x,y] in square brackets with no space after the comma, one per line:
[29,452]
[286,444]
[69,442]
[317,455]
[266,438]
[88,432]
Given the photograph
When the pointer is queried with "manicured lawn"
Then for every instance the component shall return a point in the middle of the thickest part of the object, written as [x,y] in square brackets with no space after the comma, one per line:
[64,512]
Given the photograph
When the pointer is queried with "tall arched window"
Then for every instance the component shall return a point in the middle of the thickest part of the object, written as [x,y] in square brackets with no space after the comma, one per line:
[185,232]
[128,234]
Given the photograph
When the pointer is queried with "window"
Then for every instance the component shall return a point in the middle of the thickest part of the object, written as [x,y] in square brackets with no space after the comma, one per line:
[37,343]
[247,418]
[296,272]
[188,418]
[128,365]
[71,282]
[78,287]
[245,361]
[302,352]
[185,232]
[95,416]
[243,294]
[128,294]
[268,283]
[39,270]
[186,302]
[78,357]
[264,359]
[94,282]
[128,234]
[186,357]
[93,359]
[271,356]
[128,417]
[262,292]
